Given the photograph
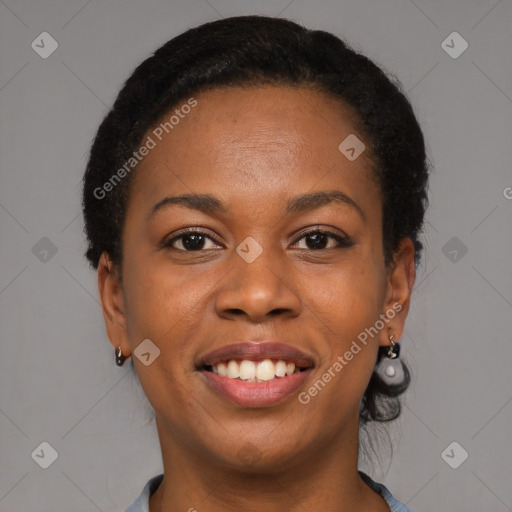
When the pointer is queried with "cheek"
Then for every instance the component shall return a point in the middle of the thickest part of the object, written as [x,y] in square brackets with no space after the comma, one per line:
[156,301]
[350,298]
[162,307]
[346,310]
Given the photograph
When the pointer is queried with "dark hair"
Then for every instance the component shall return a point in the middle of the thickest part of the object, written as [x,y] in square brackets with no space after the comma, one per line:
[250,51]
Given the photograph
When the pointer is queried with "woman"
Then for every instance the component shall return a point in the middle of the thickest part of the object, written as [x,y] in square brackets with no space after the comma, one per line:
[253,203]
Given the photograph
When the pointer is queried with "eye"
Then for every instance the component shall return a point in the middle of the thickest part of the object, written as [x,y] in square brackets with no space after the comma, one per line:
[318,239]
[190,241]
[193,240]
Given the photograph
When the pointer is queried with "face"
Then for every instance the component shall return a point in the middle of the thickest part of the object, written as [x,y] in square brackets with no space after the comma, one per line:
[268,259]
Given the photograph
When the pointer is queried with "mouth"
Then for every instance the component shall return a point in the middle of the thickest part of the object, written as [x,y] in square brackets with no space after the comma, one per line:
[255,374]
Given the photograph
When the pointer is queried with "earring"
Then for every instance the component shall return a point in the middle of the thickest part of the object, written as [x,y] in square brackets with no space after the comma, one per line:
[393,351]
[120,358]
[390,368]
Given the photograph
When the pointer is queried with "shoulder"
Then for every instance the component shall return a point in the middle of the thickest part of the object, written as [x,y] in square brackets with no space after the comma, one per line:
[394,504]
[141,504]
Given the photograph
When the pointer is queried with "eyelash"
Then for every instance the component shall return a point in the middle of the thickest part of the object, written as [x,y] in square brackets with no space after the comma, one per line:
[343,241]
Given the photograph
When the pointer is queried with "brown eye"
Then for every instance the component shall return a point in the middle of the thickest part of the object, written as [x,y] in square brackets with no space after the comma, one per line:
[190,241]
[319,240]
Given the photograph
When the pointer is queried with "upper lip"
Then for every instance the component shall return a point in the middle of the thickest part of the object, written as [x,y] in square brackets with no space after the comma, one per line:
[257,351]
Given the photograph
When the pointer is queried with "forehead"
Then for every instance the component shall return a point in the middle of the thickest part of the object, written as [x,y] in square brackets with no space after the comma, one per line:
[256,143]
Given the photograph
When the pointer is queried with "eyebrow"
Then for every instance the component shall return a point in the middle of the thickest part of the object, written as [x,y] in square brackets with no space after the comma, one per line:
[210,204]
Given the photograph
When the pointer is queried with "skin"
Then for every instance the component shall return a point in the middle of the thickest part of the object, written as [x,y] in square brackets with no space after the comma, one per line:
[254,148]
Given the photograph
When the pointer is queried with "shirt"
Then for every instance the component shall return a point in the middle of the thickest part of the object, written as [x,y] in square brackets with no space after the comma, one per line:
[141,504]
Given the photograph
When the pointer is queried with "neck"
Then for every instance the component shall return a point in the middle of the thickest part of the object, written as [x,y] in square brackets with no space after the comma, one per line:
[315,482]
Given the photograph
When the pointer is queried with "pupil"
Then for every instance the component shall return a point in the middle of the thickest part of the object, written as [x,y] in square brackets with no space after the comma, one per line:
[317,237]
[196,244]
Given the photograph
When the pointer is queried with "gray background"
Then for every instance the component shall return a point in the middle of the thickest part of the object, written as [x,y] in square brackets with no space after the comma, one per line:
[58,381]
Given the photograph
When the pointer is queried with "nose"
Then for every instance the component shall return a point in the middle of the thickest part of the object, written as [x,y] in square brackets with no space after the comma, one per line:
[258,290]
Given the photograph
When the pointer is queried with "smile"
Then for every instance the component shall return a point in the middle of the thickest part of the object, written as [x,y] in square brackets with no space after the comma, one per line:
[255,374]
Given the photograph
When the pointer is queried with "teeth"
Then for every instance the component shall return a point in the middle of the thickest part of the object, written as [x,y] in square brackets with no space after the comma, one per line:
[222,370]
[247,370]
[280,369]
[254,372]
[265,370]
[233,370]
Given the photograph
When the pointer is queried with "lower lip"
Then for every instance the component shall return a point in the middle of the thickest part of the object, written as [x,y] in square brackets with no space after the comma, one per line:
[256,394]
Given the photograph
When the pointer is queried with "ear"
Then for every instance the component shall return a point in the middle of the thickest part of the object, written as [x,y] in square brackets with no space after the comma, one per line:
[112,304]
[400,281]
